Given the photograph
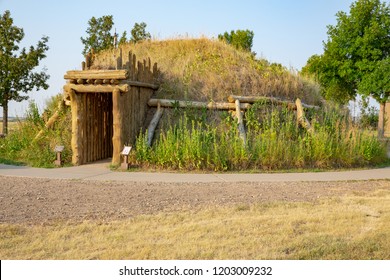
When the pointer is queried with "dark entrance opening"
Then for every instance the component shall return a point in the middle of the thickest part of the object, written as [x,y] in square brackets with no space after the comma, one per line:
[98,129]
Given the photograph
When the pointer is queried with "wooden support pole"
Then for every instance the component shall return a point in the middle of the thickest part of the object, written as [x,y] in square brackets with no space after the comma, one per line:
[386,121]
[117,139]
[381,120]
[77,120]
[153,124]
[49,124]
[241,127]
[119,60]
[301,116]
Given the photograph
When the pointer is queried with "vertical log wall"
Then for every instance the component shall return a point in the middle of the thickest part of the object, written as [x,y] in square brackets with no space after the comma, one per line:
[131,107]
[108,108]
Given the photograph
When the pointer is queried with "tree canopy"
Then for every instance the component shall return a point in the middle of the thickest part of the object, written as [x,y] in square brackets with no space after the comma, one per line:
[99,34]
[240,39]
[138,33]
[356,58]
[16,66]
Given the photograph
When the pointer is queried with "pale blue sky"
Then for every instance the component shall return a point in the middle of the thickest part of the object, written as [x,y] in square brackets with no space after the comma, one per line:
[287,32]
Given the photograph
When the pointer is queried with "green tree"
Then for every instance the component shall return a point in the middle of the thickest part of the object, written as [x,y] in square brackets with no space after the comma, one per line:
[356,55]
[138,33]
[16,67]
[99,35]
[240,39]
[123,38]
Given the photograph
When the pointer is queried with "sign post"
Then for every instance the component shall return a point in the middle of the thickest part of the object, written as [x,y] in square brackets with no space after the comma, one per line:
[125,153]
[58,150]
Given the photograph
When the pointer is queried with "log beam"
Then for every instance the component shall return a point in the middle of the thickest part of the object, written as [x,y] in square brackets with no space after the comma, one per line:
[266,99]
[196,104]
[96,88]
[141,84]
[97,74]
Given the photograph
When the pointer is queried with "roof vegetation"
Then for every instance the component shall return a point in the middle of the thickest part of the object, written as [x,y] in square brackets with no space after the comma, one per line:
[206,69]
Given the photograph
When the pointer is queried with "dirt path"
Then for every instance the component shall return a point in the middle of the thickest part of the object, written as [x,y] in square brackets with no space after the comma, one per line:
[31,200]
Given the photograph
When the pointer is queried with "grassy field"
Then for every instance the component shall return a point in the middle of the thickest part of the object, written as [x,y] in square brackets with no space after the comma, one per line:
[12,125]
[351,227]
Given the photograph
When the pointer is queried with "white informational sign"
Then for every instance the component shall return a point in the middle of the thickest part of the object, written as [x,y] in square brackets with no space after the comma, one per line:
[59,149]
[126,150]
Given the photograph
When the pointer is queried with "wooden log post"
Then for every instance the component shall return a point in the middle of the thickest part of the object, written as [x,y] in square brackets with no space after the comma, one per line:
[153,124]
[386,120]
[117,138]
[49,124]
[381,120]
[241,127]
[77,129]
[301,119]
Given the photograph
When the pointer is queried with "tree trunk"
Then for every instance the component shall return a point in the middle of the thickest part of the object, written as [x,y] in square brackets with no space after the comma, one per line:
[381,120]
[5,116]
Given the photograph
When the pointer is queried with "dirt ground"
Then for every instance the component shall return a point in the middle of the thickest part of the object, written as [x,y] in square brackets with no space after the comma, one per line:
[41,201]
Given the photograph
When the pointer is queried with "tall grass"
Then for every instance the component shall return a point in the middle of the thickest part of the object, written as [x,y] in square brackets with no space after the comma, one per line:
[20,145]
[274,141]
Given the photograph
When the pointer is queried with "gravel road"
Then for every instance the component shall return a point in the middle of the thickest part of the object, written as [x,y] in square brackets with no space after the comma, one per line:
[36,201]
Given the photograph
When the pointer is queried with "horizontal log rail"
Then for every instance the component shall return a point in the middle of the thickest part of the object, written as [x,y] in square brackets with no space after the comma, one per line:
[196,104]
[97,74]
[141,84]
[96,88]
[271,100]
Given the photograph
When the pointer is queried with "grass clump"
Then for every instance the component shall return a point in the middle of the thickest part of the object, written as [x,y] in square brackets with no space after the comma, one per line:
[274,141]
[20,145]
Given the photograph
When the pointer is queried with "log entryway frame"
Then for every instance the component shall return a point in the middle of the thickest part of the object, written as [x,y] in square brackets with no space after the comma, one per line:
[108,107]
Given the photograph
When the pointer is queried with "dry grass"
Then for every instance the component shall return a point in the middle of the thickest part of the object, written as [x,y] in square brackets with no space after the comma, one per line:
[206,69]
[353,227]
[12,125]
